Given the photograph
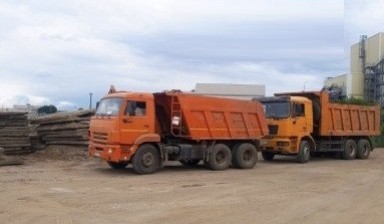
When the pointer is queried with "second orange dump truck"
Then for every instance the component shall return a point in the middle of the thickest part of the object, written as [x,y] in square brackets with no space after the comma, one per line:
[306,123]
[147,130]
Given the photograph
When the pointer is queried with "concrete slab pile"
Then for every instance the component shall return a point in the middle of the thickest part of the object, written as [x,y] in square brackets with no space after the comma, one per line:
[14,133]
[62,129]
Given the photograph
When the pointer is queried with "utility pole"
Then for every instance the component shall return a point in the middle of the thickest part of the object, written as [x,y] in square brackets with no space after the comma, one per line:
[90,100]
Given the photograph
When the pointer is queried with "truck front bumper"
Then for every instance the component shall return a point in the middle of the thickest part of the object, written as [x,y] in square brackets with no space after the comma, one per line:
[278,146]
[110,153]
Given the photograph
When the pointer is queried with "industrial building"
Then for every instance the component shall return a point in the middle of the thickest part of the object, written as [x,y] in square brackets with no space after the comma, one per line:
[340,81]
[366,78]
[235,91]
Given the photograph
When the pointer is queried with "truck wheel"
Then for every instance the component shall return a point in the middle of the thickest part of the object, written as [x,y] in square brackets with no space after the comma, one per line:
[190,162]
[350,149]
[268,156]
[363,149]
[118,166]
[220,157]
[304,152]
[245,156]
[146,159]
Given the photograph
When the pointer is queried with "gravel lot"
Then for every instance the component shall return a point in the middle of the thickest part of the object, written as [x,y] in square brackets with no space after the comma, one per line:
[66,188]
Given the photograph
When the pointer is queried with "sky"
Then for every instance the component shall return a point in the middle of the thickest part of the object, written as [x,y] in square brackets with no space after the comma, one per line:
[57,52]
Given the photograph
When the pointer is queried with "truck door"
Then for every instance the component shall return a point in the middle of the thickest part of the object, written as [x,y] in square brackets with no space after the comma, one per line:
[136,120]
[299,120]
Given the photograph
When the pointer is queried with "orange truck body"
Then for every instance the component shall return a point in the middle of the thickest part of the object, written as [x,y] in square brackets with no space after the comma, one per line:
[348,119]
[176,126]
[211,118]
[312,124]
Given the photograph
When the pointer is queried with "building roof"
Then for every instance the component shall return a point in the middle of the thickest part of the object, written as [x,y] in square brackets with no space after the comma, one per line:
[231,90]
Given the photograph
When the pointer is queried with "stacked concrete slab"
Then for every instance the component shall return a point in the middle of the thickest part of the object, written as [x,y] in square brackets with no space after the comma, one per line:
[14,133]
[62,129]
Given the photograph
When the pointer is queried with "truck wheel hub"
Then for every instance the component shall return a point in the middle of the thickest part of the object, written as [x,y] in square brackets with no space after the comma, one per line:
[220,157]
[247,156]
[147,159]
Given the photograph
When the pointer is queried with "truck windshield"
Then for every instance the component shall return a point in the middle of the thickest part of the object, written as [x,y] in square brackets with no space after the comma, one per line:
[109,106]
[277,109]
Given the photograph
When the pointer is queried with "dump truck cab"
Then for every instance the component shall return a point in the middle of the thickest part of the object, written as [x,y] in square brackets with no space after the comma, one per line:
[123,121]
[289,121]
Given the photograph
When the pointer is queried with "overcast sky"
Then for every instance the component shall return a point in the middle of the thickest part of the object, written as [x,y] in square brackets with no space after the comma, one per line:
[57,52]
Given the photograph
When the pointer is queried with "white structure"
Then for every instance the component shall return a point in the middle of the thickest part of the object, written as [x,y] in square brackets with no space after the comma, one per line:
[341,81]
[369,52]
[236,91]
[24,108]
[28,108]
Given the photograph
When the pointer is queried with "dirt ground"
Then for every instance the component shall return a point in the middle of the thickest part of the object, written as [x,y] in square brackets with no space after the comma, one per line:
[62,186]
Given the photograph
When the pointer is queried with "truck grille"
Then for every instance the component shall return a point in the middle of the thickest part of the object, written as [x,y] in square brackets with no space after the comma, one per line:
[100,138]
[273,129]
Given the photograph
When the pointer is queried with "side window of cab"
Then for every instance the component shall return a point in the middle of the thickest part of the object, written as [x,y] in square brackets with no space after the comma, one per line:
[136,109]
[298,110]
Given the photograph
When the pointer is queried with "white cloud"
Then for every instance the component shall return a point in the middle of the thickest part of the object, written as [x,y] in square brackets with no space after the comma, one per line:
[362,18]
[65,105]
[59,51]
[15,99]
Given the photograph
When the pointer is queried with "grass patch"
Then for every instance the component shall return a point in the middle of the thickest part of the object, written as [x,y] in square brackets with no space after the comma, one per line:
[355,101]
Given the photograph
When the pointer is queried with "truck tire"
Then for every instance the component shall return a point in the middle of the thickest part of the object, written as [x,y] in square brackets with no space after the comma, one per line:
[244,156]
[363,149]
[220,157]
[350,149]
[146,159]
[190,162]
[267,156]
[118,166]
[304,153]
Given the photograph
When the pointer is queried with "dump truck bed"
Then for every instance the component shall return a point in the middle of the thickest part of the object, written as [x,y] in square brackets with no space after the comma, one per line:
[340,119]
[199,117]
[349,120]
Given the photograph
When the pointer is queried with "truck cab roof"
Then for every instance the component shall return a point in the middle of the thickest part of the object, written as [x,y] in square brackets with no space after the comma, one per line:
[126,94]
[283,98]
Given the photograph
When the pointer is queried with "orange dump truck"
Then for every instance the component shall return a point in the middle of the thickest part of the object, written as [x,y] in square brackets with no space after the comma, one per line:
[306,123]
[148,130]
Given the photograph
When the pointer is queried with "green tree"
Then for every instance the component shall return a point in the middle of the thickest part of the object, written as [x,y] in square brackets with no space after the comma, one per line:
[47,109]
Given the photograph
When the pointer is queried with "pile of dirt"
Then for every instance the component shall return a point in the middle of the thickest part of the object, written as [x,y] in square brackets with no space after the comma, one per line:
[62,129]
[9,160]
[61,153]
[14,133]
